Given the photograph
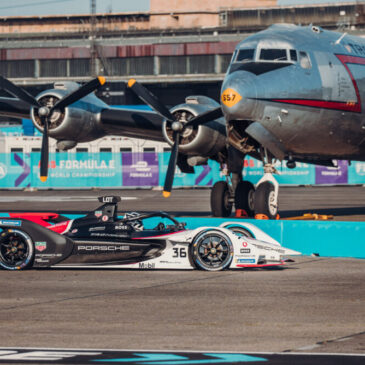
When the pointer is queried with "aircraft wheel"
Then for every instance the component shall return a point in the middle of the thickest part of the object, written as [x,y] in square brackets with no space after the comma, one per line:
[16,250]
[219,200]
[245,197]
[211,250]
[265,200]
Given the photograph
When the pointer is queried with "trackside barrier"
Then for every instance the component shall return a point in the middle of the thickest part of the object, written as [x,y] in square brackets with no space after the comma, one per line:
[148,169]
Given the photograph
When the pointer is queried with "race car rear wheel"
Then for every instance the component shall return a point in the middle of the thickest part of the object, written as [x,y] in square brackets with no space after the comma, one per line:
[211,250]
[16,250]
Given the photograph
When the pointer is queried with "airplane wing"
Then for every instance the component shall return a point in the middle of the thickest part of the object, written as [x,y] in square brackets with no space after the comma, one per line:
[15,108]
[134,123]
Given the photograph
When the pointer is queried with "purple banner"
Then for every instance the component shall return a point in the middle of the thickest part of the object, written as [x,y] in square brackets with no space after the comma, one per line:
[140,169]
[332,175]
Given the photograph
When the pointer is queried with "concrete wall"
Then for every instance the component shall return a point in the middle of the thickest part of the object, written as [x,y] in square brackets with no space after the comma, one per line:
[163,6]
[193,14]
[163,14]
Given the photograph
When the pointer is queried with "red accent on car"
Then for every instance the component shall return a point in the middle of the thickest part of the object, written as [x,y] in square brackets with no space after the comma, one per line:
[39,218]
[60,228]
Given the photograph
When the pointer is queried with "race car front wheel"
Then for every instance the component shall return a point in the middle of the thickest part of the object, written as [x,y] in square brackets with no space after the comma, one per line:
[16,250]
[211,250]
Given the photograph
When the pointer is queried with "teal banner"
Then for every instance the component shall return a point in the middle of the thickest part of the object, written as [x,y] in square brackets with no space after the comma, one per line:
[148,169]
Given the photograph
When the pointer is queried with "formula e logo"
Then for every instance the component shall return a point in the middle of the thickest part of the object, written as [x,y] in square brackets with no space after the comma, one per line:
[3,170]
[141,166]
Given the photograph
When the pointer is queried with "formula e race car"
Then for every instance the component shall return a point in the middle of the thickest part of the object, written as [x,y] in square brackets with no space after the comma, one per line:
[102,239]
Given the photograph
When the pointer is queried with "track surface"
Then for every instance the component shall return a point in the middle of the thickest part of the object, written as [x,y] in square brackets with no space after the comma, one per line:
[315,305]
[314,300]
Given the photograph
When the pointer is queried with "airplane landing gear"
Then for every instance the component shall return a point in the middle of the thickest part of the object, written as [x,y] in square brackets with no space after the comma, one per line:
[262,200]
[245,197]
[266,195]
[232,191]
[220,199]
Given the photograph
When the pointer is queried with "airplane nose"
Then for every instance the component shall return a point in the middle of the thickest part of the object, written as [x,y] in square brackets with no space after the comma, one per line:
[239,96]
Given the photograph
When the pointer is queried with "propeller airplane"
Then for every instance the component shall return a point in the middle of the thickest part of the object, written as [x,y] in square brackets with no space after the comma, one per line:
[290,93]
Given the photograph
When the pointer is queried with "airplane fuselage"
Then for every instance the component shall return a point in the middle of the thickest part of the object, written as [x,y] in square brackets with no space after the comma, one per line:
[299,92]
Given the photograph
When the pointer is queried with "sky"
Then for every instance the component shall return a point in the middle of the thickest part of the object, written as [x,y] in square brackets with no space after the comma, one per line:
[45,7]
[52,7]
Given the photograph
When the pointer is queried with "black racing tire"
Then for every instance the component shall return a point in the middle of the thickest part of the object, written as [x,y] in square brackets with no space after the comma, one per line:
[240,231]
[219,200]
[245,197]
[16,250]
[264,198]
[211,250]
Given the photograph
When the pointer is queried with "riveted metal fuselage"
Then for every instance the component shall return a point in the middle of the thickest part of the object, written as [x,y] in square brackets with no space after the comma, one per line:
[310,99]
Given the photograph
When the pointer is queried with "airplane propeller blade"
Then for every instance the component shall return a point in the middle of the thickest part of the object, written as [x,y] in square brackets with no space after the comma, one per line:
[44,152]
[205,118]
[172,166]
[79,93]
[161,109]
[150,99]
[18,92]
[45,112]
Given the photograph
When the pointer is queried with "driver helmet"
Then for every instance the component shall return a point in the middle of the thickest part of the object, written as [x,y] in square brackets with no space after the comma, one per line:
[136,224]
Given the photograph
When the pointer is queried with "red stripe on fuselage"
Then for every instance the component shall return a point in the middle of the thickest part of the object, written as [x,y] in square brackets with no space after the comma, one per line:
[350,106]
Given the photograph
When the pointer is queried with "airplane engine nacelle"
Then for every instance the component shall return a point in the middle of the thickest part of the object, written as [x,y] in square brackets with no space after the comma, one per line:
[205,140]
[79,122]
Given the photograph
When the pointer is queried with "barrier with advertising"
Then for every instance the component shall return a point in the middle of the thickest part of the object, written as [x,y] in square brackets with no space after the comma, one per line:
[148,169]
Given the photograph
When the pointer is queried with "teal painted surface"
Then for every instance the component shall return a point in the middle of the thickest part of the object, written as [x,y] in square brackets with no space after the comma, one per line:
[112,170]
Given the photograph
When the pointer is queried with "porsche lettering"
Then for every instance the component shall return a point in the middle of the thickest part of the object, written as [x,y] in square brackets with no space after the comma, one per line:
[103,248]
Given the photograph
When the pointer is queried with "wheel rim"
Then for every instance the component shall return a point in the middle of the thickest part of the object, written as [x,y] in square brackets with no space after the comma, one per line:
[251,200]
[272,203]
[14,250]
[213,251]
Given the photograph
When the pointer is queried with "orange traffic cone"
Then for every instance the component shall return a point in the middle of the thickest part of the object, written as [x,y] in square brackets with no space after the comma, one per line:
[241,213]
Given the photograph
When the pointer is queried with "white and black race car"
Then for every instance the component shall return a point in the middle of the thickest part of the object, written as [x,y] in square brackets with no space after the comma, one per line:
[101,239]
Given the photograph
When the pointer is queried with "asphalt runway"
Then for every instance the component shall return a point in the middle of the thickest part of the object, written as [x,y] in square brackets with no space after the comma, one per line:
[314,305]
[343,202]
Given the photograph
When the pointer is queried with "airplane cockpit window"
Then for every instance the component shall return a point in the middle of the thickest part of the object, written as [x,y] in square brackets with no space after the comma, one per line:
[304,60]
[261,60]
[270,54]
[293,55]
[245,55]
